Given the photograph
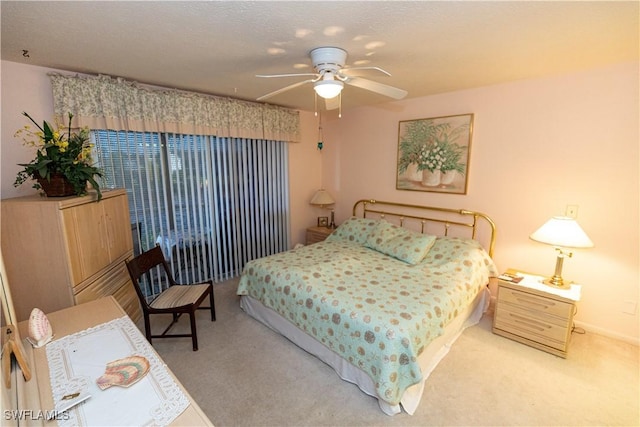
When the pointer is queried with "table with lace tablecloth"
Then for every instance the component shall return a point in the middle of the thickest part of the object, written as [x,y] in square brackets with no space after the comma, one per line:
[86,338]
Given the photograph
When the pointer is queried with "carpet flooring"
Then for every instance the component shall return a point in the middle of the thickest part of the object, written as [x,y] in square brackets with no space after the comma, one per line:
[247,375]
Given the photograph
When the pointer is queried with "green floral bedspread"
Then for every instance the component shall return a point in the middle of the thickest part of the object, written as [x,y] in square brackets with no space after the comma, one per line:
[377,312]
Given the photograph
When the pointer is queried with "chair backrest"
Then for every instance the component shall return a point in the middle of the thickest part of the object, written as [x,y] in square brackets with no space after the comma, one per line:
[143,264]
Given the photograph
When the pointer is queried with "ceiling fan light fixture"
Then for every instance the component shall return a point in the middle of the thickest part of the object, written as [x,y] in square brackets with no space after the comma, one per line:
[328,88]
[331,75]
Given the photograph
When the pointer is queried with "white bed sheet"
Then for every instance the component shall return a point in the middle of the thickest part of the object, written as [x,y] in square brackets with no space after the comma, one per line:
[428,360]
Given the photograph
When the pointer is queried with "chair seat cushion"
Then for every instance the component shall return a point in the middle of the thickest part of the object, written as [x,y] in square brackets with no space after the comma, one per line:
[180,295]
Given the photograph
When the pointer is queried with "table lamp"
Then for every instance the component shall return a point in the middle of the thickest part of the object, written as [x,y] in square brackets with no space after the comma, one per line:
[322,198]
[561,232]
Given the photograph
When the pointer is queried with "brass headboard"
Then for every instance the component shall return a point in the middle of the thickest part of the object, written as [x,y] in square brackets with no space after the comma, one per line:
[426,216]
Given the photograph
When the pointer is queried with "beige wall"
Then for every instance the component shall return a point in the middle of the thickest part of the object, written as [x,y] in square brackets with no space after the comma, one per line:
[538,145]
[24,88]
[305,177]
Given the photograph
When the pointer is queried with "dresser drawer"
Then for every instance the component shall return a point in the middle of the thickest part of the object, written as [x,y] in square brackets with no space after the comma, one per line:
[128,300]
[104,285]
[535,303]
[116,282]
[317,234]
[541,329]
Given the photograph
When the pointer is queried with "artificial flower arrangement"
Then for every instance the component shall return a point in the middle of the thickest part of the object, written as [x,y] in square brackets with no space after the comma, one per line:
[58,155]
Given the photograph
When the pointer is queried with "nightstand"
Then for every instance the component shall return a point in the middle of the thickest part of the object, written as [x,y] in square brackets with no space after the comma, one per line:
[535,314]
[317,234]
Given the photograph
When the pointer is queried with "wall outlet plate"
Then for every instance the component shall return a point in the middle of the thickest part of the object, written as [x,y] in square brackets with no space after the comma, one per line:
[571,211]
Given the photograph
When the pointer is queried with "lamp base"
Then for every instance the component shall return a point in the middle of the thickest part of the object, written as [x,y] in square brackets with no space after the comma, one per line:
[332,224]
[557,282]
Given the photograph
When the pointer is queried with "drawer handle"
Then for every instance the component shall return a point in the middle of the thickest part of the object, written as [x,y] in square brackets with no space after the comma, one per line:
[540,303]
[530,323]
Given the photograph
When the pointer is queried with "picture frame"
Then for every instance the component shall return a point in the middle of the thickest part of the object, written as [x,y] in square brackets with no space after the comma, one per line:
[323,221]
[12,342]
[434,154]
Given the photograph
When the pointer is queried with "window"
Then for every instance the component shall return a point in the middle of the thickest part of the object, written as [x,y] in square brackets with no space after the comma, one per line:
[211,203]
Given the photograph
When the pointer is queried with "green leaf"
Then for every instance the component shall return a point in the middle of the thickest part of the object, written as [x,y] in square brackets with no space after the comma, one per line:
[48,132]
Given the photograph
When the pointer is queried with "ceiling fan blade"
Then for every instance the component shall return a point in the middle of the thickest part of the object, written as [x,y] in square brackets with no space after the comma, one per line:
[284,89]
[354,71]
[332,103]
[382,89]
[286,75]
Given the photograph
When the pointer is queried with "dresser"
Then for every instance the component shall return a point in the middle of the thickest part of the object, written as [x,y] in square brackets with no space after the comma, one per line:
[533,313]
[59,252]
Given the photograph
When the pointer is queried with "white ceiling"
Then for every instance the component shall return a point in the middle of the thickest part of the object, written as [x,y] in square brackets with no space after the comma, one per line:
[217,47]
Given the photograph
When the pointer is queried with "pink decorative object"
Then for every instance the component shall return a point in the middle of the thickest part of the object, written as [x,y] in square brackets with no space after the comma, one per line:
[124,372]
[40,332]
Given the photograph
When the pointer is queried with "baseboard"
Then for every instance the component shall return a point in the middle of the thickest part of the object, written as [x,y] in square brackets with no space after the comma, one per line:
[607,333]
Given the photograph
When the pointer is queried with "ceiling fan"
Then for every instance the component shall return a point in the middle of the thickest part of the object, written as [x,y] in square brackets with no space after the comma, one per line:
[331,76]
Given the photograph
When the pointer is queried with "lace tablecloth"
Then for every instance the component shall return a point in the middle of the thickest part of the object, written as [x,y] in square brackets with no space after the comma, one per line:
[77,360]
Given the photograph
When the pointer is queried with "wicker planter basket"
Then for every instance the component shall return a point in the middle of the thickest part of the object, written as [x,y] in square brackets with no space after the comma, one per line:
[58,186]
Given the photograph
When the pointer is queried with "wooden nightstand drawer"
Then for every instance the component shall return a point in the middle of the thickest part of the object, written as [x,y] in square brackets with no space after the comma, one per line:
[540,329]
[317,234]
[536,304]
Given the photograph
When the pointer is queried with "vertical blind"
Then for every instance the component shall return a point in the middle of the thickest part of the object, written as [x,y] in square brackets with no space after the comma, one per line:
[211,203]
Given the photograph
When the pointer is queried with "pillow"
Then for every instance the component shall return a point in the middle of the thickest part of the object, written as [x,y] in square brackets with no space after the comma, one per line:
[354,230]
[395,241]
[382,232]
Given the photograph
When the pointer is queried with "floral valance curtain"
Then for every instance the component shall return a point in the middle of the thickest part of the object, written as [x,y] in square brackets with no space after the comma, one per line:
[103,102]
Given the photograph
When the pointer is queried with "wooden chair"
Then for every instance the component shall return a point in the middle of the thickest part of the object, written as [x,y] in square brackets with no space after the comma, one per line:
[176,299]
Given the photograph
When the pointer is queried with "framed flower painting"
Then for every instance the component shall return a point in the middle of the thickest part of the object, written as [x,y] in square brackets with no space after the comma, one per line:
[433,154]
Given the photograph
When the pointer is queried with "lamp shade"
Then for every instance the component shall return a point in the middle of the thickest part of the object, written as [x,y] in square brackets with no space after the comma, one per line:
[562,231]
[328,88]
[322,198]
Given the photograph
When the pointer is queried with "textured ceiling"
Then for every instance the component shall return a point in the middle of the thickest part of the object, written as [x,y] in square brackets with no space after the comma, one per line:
[217,47]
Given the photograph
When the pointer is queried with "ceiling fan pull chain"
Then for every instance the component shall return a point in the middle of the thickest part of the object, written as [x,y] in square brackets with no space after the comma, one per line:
[315,103]
[320,135]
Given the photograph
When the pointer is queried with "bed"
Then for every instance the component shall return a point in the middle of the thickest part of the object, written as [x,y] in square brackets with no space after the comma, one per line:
[383,298]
